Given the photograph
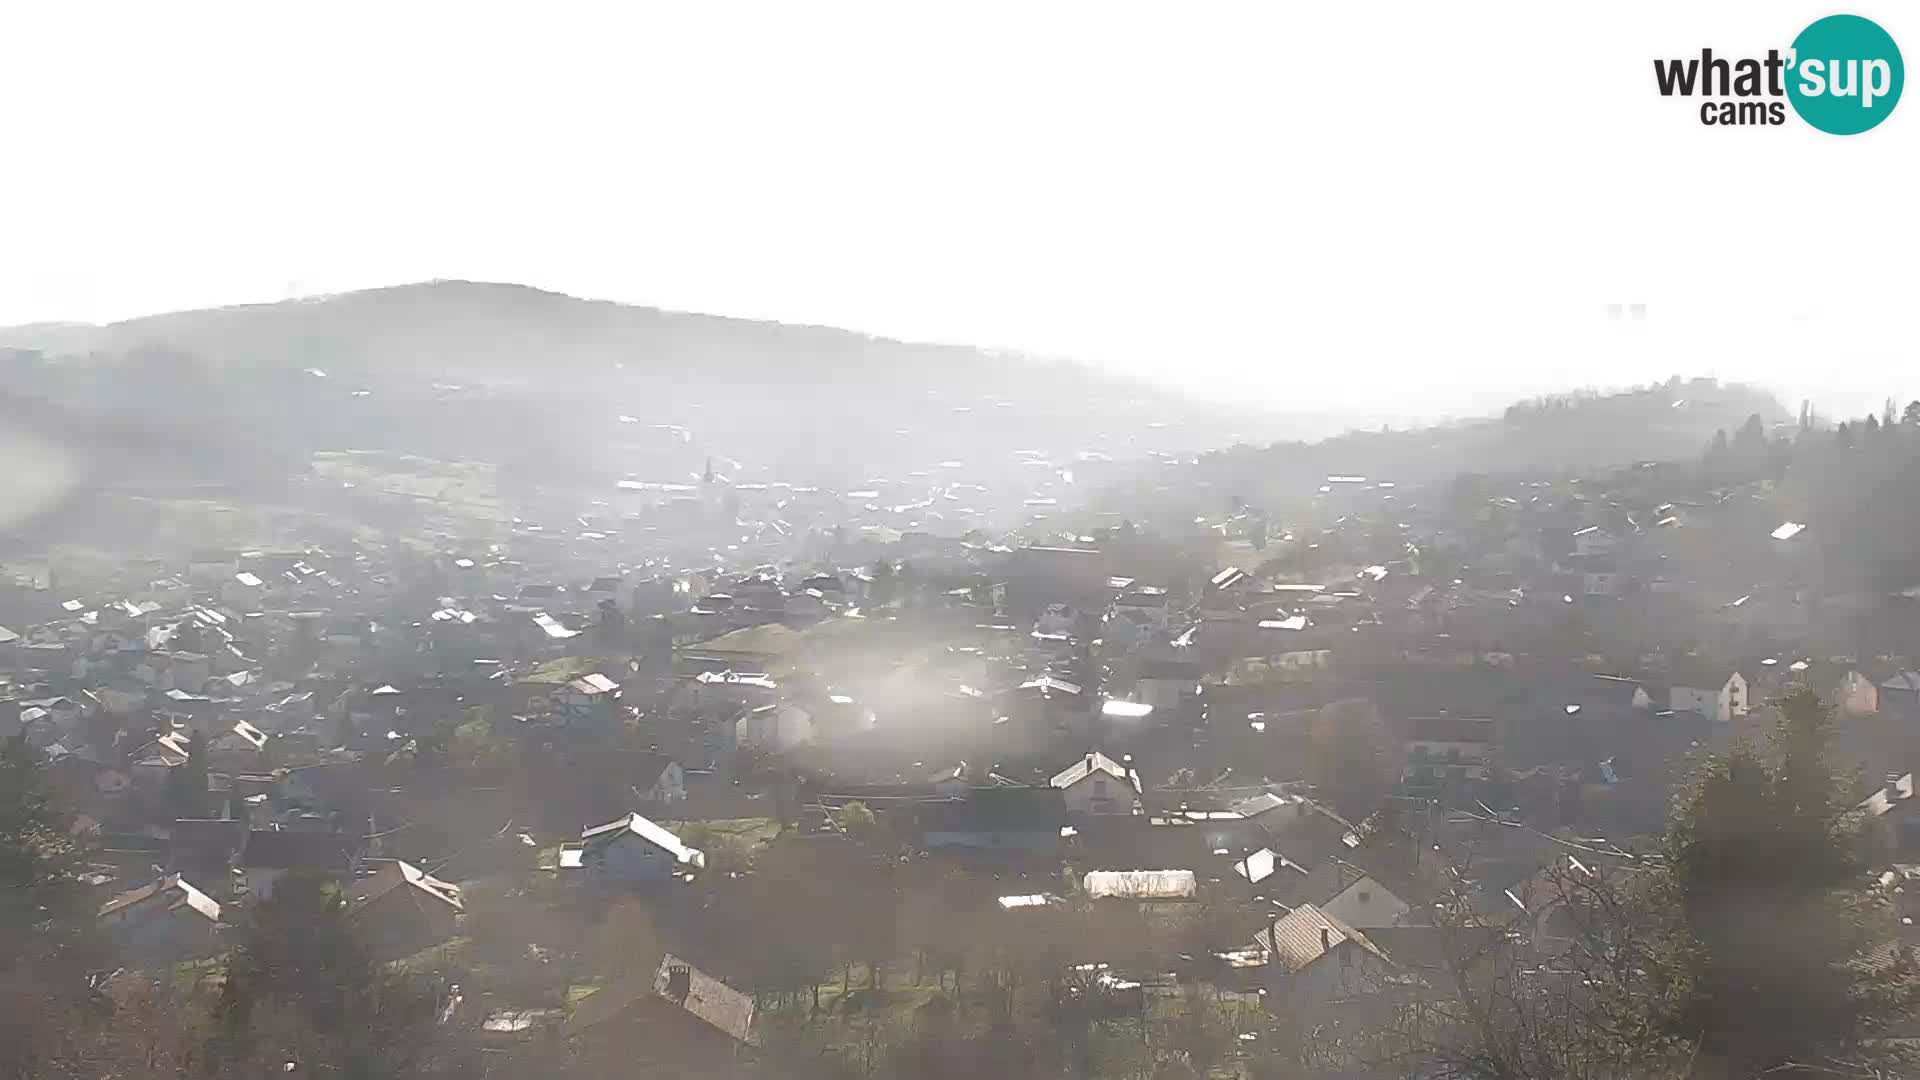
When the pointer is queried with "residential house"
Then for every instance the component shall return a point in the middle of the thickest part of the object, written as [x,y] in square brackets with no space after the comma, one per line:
[1008,820]
[633,850]
[1225,596]
[1615,691]
[1047,706]
[181,670]
[604,588]
[247,591]
[775,728]
[674,1019]
[1854,694]
[1442,750]
[838,716]
[240,749]
[1901,693]
[400,909]
[152,762]
[166,919]
[1314,959]
[589,697]
[1149,608]
[1349,894]
[271,854]
[1889,829]
[1166,684]
[1715,700]
[1057,620]
[197,712]
[1601,579]
[1594,540]
[1097,784]
[657,778]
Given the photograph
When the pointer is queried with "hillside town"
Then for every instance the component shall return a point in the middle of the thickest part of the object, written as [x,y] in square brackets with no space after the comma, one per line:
[724,775]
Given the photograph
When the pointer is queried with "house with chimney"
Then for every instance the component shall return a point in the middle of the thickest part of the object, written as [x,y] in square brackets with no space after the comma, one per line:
[1313,959]
[674,1019]
[1716,697]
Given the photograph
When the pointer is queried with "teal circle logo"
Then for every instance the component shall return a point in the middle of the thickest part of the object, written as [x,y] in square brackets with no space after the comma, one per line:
[1846,75]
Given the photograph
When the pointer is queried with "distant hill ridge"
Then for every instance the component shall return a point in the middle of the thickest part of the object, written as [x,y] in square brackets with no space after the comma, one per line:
[469,326]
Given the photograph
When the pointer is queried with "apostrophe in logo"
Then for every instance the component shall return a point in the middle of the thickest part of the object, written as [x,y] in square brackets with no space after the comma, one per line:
[1843,75]
[1847,74]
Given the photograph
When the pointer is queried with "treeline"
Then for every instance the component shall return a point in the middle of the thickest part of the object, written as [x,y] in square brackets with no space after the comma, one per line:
[1578,432]
[1848,483]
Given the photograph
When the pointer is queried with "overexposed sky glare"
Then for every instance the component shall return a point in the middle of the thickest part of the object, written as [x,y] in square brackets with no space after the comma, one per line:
[1405,208]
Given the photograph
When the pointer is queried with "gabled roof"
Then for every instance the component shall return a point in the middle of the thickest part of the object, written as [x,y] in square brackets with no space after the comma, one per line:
[424,888]
[706,998]
[170,748]
[172,891]
[1897,792]
[253,736]
[1266,862]
[594,683]
[1327,880]
[635,825]
[1095,761]
[721,1006]
[1255,805]
[1906,680]
[1305,935]
[645,765]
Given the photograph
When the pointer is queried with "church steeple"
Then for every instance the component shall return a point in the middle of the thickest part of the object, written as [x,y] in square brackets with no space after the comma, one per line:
[707,477]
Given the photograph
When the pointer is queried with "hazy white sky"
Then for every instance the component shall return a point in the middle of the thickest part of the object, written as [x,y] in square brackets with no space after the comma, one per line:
[1407,207]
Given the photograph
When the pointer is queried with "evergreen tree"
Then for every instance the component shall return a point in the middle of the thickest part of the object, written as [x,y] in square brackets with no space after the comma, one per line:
[40,900]
[1770,913]
[43,923]
[1717,453]
[303,988]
